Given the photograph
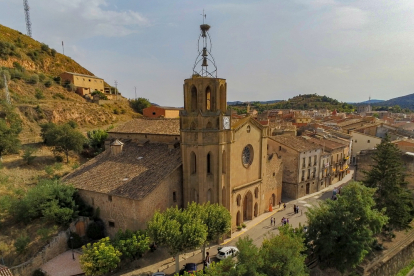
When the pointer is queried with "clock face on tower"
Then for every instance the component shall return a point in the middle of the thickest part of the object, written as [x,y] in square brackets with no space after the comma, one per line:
[226,122]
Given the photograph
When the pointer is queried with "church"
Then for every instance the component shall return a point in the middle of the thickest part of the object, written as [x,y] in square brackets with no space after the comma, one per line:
[204,156]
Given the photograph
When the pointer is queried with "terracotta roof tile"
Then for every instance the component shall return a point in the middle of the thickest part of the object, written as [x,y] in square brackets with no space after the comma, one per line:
[5,271]
[297,143]
[133,173]
[149,126]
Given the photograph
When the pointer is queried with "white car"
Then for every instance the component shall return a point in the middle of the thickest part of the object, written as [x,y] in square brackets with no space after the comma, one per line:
[227,251]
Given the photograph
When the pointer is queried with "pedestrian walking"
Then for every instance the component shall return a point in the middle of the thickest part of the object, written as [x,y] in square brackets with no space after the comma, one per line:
[280,203]
[271,221]
[284,206]
[274,221]
[294,208]
[206,261]
[297,209]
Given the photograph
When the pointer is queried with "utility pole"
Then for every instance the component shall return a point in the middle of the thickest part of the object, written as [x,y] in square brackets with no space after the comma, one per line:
[63,48]
[27,16]
[135,92]
[116,90]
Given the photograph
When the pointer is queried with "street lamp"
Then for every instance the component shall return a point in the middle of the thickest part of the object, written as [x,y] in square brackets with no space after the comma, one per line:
[71,244]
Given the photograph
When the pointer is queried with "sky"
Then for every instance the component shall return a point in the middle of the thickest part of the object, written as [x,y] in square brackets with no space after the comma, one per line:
[266,49]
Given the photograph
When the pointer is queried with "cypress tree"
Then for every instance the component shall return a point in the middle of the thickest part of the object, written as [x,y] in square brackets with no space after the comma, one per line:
[388,177]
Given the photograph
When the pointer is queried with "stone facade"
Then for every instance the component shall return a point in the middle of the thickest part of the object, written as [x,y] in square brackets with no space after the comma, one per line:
[161,112]
[85,84]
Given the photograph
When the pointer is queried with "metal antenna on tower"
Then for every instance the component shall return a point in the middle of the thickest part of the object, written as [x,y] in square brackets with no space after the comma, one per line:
[116,90]
[6,88]
[204,53]
[27,15]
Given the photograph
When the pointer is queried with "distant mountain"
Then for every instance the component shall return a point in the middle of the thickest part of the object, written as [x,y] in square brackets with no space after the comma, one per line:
[404,102]
[260,102]
[373,101]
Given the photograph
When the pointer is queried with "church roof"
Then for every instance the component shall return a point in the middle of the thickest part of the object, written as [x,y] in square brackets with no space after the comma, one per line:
[5,271]
[297,143]
[133,173]
[149,126]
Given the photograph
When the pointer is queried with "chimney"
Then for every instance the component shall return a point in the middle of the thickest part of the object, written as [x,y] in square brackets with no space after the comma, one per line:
[116,147]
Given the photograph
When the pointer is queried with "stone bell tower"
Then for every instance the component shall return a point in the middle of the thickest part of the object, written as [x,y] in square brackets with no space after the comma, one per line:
[205,126]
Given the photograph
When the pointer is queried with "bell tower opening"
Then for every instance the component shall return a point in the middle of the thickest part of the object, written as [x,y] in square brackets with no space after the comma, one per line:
[208,98]
[193,99]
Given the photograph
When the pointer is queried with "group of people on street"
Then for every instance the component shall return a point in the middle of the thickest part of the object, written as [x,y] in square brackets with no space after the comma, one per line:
[272,221]
[296,209]
[335,192]
[285,221]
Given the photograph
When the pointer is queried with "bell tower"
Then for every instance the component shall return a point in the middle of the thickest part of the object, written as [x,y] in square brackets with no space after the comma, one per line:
[205,126]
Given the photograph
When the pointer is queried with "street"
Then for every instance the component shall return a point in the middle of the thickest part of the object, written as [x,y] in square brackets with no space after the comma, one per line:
[260,227]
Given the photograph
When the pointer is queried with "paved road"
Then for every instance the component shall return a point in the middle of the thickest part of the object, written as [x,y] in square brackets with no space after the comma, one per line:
[259,230]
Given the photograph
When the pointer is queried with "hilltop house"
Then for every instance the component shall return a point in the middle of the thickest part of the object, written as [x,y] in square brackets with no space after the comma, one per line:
[87,84]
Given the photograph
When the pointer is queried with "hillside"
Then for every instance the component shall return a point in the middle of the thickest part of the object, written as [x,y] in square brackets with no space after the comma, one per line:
[302,102]
[404,102]
[32,70]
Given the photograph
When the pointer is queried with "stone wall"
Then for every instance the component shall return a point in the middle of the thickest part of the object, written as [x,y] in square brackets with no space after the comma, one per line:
[392,261]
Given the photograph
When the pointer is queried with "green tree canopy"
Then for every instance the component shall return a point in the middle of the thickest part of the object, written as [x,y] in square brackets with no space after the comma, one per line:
[99,258]
[388,177]
[64,138]
[131,244]
[139,104]
[341,232]
[10,127]
[97,138]
[178,229]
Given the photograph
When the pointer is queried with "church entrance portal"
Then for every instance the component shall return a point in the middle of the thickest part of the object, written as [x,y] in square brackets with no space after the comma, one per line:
[248,206]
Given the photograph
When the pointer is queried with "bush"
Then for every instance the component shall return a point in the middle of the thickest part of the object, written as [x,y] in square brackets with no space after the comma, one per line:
[59,158]
[21,243]
[239,227]
[18,66]
[72,124]
[75,165]
[243,225]
[42,77]
[33,79]
[48,83]
[6,50]
[44,47]
[53,52]
[38,272]
[28,155]
[131,244]
[16,74]
[44,233]
[95,230]
[57,79]
[39,94]
[77,241]
[139,104]
[116,111]
[58,96]
[34,55]
[49,170]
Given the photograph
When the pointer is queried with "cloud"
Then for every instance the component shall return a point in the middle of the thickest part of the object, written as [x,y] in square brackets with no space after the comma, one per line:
[349,18]
[78,18]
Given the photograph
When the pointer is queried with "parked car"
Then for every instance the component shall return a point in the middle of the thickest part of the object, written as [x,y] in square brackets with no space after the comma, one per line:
[227,251]
[189,267]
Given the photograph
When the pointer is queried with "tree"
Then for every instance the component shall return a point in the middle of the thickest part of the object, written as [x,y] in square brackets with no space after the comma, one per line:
[217,219]
[10,127]
[388,177]
[63,138]
[99,258]
[139,104]
[97,138]
[249,258]
[342,231]
[131,244]
[28,155]
[178,229]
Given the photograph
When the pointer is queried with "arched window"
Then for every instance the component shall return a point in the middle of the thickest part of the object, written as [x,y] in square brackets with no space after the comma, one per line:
[223,161]
[208,98]
[238,200]
[193,98]
[209,125]
[193,163]
[209,195]
[256,192]
[208,163]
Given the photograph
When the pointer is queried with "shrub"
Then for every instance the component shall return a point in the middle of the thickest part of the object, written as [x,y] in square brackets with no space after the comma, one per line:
[71,87]
[243,225]
[18,66]
[75,165]
[116,111]
[38,272]
[239,227]
[59,158]
[72,124]
[58,166]
[77,241]
[44,47]
[139,104]
[39,94]
[28,155]
[16,74]
[53,52]
[6,50]
[49,170]
[58,96]
[57,79]
[42,77]
[95,230]
[33,79]
[44,233]
[33,55]
[131,244]
[21,243]
[48,83]
[102,96]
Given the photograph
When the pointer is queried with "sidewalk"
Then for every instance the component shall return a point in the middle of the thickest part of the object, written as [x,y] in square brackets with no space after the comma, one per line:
[169,263]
